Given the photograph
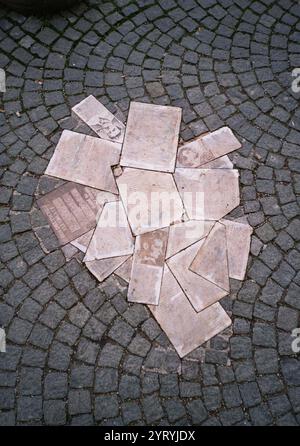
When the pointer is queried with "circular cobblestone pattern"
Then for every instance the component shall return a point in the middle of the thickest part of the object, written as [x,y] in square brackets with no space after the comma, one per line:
[77,352]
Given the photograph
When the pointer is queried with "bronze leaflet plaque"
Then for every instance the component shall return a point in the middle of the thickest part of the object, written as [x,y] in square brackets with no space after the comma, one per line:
[72,209]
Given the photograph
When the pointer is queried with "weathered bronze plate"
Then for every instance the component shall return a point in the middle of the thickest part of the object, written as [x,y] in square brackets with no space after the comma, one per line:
[72,209]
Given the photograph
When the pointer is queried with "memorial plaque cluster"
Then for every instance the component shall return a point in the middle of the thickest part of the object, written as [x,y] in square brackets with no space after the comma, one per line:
[152,213]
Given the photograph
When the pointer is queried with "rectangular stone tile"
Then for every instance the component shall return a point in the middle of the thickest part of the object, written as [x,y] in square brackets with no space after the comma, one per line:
[220,142]
[200,292]
[101,269]
[210,261]
[124,271]
[100,119]
[72,209]
[208,194]
[182,235]
[147,267]
[207,148]
[185,328]
[151,199]
[85,160]
[83,241]
[238,236]
[112,236]
[151,137]
[2,341]
[220,163]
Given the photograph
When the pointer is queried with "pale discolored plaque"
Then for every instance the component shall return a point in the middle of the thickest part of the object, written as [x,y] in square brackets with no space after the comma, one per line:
[85,160]
[182,235]
[207,148]
[220,163]
[124,271]
[220,142]
[200,292]
[193,154]
[147,267]
[112,236]
[151,137]
[185,328]
[72,209]
[100,119]
[151,199]
[210,261]
[208,194]
[238,235]
[83,241]
[101,269]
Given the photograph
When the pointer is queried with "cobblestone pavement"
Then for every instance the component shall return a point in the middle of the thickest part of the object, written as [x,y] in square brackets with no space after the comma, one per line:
[77,352]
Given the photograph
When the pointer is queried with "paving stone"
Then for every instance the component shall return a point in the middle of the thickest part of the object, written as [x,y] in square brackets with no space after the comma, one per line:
[106,380]
[79,402]
[55,385]
[30,382]
[129,387]
[241,347]
[271,293]
[83,282]
[189,389]
[106,407]
[79,315]
[54,413]
[264,335]
[284,274]
[7,418]
[250,394]
[59,357]
[133,364]
[287,318]
[291,297]
[68,333]
[19,331]
[82,376]
[7,399]
[266,360]
[131,412]
[231,416]
[29,408]
[150,383]
[169,386]
[121,332]
[52,316]
[279,405]
[66,298]
[260,415]
[87,351]
[197,411]
[290,368]
[264,312]
[231,395]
